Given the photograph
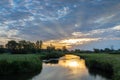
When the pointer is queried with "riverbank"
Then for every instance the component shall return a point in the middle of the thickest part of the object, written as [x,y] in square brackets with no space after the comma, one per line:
[109,63]
[19,64]
[51,55]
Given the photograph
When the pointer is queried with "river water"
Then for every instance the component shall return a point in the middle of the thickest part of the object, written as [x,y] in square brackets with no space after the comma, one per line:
[68,67]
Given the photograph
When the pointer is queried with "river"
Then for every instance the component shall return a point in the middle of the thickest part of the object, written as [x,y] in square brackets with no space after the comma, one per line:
[68,67]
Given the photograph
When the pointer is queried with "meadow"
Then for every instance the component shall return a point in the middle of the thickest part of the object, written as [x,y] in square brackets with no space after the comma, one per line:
[109,63]
[19,64]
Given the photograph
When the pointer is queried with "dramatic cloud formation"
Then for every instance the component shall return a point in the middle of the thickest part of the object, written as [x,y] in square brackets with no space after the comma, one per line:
[81,24]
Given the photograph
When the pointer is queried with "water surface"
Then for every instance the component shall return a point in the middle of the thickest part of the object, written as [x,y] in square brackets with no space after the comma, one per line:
[68,67]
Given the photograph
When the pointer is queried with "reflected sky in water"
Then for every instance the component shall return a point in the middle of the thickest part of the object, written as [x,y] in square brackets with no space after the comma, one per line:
[69,67]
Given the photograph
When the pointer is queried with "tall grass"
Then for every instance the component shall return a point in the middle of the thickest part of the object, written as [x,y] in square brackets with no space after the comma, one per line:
[105,62]
[18,64]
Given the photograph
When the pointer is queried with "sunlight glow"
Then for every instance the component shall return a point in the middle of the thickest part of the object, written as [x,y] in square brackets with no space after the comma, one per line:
[69,43]
[72,62]
[78,40]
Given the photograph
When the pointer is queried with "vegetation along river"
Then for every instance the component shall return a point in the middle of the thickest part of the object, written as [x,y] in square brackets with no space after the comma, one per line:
[68,67]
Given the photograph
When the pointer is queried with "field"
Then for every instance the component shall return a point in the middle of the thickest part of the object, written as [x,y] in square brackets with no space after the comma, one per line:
[106,62]
[18,64]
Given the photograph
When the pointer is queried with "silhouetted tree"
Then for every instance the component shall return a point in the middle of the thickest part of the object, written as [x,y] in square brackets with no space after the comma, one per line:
[22,47]
[22,44]
[64,49]
[50,48]
[26,47]
[107,50]
[2,49]
[39,45]
[96,50]
[12,46]
[118,49]
[77,51]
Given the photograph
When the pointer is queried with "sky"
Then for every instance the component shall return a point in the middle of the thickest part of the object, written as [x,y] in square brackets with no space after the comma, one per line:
[76,24]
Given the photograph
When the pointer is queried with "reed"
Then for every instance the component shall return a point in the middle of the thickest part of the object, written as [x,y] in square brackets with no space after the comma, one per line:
[108,63]
[18,64]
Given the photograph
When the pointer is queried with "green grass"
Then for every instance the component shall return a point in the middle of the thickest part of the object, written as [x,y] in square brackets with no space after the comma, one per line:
[18,64]
[106,62]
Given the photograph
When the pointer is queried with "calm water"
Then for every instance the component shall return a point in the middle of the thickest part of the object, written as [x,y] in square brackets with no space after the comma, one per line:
[69,67]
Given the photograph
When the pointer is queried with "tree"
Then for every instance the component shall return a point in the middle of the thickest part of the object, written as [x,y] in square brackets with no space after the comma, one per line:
[64,49]
[39,45]
[50,48]
[22,44]
[26,47]
[107,50]
[12,46]
[77,50]
[2,49]
[96,50]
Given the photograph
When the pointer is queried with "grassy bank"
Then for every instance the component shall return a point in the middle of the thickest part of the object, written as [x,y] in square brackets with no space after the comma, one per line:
[18,64]
[104,62]
[51,55]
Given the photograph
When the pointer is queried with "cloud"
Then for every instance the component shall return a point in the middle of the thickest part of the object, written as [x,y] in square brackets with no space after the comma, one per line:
[104,19]
[9,33]
[116,28]
[99,32]
[65,21]
[6,35]
[69,43]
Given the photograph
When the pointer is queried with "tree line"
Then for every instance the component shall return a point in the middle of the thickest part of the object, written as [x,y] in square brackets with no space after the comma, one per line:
[26,47]
[96,50]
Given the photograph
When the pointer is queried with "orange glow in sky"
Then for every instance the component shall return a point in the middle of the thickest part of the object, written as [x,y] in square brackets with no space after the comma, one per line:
[68,42]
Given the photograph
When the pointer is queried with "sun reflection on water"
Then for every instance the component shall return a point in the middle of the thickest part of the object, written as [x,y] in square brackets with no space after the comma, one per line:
[74,63]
